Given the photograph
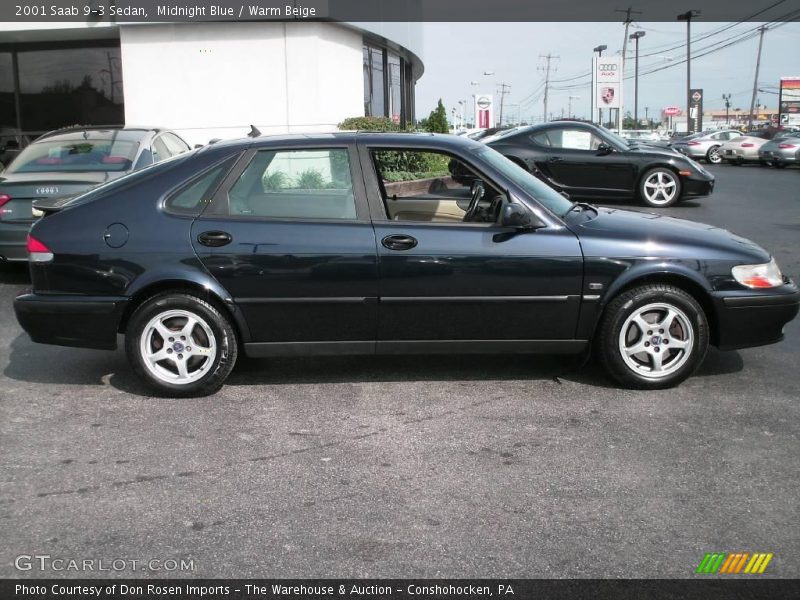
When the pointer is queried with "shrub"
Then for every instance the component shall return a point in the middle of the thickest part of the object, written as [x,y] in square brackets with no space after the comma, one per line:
[369,124]
[274,181]
[310,179]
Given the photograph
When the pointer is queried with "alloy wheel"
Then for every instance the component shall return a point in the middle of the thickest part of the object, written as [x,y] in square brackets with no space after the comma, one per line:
[178,346]
[660,188]
[714,156]
[656,340]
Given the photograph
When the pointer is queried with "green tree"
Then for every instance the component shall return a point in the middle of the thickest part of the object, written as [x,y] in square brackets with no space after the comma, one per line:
[437,120]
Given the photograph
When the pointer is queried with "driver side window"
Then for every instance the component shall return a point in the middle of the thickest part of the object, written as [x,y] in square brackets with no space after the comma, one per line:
[433,187]
[573,139]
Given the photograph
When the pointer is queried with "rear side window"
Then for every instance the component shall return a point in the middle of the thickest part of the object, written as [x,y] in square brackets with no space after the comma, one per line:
[295,184]
[195,195]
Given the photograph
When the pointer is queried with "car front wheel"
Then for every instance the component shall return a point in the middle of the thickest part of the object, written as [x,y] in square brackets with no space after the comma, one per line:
[660,187]
[181,345]
[653,337]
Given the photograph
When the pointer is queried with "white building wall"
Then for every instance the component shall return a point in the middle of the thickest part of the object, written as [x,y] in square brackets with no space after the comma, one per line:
[212,80]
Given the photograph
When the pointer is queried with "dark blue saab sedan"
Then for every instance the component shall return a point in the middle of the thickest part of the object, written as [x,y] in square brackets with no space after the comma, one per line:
[366,243]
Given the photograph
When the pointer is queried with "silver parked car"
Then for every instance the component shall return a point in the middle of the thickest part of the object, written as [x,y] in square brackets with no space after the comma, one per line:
[705,145]
[781,151]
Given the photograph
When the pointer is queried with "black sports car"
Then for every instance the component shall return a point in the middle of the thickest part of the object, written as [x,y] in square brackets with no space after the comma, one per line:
[587,161]
[364,244]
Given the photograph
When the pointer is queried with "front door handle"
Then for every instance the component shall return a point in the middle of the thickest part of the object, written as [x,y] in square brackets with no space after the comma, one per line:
[214,239]
[555,159]
[399,242]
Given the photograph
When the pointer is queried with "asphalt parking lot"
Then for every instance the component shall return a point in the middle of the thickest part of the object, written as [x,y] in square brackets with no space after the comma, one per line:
[415,466]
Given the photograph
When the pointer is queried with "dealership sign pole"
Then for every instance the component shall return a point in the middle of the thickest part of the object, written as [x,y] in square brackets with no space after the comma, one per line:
[695,120]
[484,111]
[608,77]
[789,102]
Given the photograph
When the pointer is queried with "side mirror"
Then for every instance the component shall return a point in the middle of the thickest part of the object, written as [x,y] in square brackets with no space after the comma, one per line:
[519,217]
[604,149]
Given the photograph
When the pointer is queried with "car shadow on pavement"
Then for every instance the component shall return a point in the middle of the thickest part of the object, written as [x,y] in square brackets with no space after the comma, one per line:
[15,274]
[59,365]
[43,364]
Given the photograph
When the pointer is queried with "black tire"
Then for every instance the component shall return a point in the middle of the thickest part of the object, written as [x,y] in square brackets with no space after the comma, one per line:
[779,165]
[713,156]
[210,319]
[679,365]
[765,163]
[651,176]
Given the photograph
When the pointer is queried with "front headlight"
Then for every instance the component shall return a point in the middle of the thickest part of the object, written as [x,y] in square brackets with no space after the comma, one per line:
[767,275]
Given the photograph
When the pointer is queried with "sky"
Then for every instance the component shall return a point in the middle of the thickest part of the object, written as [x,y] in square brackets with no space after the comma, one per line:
[456,54]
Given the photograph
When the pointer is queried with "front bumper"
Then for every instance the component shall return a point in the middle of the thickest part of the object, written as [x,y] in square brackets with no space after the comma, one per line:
[63,320]
[697,185]
[755,319]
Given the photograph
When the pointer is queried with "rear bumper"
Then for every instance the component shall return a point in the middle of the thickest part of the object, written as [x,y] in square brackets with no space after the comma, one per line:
[756,319]
[82,321]
[13,241]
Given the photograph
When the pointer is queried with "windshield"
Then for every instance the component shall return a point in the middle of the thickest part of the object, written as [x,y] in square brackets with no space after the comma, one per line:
[617,142]
[537,189]
[63,156]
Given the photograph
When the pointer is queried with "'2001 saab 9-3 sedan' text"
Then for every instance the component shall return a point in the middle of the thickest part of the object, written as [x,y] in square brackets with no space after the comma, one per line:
[364,243]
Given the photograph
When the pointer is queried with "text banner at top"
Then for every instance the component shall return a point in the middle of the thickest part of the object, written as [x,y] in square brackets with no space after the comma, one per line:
[172,11]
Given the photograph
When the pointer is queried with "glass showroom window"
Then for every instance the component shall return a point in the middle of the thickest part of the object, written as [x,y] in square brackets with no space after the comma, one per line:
[68,86]
[395,88]
[374,94]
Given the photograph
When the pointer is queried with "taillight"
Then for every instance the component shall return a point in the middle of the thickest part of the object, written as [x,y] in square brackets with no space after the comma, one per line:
[747,145]
[785,146]
[692,143]
[4,199]
[37,251]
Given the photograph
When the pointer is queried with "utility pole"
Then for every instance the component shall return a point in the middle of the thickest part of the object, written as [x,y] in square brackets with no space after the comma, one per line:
[503,93]
[727,99]
[688,16]
[761,29]
[549,57]
[628,12]
[635,36]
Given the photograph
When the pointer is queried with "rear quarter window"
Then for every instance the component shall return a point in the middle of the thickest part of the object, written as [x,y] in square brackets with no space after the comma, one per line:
[196,194]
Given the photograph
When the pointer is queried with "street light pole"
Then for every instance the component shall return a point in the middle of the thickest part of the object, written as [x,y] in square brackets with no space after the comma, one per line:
[688,16]
[635,36]
[727,99]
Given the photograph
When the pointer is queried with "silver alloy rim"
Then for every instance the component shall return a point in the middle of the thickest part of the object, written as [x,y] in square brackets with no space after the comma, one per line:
[656,340]
[660,187]
[714,155]
[178,347]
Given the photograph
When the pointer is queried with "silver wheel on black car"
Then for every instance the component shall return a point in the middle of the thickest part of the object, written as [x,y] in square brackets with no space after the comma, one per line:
[178,346]
[181,344]
[660,187]
[656,340]
[653,336]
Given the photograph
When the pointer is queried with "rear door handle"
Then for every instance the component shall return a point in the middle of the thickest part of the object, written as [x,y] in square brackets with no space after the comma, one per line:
[214,239]
[399,242]
[554,159]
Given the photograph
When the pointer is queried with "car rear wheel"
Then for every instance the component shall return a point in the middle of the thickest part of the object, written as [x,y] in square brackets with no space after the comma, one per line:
[713,156]
[765,163]
[660,187]
[181,345]
[653,337]
[779,165]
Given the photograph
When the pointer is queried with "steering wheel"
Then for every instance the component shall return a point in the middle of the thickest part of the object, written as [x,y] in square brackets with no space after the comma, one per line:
[478,192]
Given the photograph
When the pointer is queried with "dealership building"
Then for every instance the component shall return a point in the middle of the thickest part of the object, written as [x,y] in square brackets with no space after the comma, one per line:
[206,79]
